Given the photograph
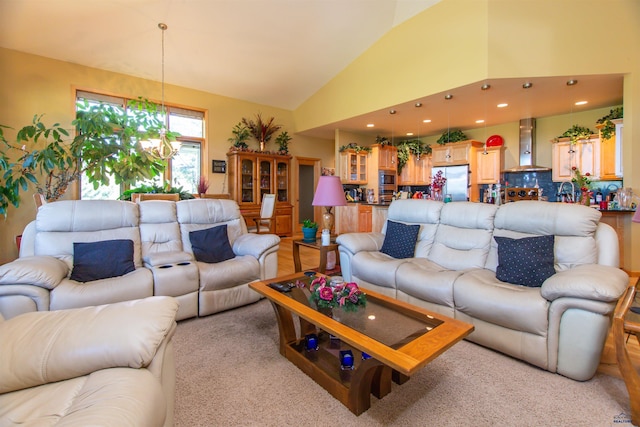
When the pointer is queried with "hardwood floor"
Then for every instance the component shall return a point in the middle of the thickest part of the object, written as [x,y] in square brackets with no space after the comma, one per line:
[310,257]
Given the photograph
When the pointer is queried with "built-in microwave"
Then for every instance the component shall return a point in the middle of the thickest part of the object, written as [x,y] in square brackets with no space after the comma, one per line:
[386,178]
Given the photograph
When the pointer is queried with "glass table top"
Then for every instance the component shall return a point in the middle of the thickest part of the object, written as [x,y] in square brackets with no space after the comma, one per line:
[382,322]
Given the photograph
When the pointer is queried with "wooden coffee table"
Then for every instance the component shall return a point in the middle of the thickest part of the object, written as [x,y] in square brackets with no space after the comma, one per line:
[398,337]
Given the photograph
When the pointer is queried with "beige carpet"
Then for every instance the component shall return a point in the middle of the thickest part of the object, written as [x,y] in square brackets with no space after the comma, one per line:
[230,373]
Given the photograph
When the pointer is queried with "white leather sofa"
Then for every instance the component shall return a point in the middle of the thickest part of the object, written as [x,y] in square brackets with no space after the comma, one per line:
[42,278]
[560,326]
[109,365]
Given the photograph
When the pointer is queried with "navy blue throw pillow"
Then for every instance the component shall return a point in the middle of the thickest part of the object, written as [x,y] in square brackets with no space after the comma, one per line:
[528,261]
[211,245]
[102,260]
[400,239]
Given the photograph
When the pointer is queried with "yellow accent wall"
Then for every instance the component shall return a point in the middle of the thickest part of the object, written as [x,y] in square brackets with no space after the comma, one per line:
[36,85]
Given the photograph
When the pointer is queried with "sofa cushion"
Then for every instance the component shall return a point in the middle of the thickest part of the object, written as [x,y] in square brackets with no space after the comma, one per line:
[376,267]
[478,294]
[411,279]
[527,261]
[400,239]
[211,245]
[102,260]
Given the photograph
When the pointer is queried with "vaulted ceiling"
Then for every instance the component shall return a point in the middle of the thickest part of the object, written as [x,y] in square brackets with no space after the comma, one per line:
[272,52]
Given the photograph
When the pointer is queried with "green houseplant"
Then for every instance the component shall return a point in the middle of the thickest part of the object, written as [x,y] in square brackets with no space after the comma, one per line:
[452,136]
[107,145]
[309,230]
[166,188]
[241,135]
[608,128]
[576,133]
[283,142]
[408,147]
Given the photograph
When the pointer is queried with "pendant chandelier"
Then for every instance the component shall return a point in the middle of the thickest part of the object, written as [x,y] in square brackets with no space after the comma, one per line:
[161,146]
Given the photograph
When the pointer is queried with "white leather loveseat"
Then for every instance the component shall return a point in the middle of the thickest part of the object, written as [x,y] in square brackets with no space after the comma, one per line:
[110,365]
[559,325]
[63,251]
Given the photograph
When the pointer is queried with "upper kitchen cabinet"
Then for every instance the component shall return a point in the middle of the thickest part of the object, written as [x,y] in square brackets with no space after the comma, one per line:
[385,156]
[584,155]
[490,164]
[417,171]
[455,153]
[353,168]
[611,153]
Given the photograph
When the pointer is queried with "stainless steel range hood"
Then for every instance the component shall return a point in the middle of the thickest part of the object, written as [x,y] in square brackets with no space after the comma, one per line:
[527,148]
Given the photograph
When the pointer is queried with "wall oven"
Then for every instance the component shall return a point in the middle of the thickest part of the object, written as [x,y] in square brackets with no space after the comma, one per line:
[386,186]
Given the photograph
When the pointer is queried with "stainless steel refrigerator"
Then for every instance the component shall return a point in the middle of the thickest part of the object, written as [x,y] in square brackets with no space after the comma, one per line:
[457,181]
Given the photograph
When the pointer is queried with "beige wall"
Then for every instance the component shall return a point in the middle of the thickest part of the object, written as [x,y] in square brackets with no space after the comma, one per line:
[35,85]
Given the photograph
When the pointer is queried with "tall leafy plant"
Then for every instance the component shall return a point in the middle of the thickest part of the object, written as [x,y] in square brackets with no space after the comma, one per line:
[262,130]
[107,145]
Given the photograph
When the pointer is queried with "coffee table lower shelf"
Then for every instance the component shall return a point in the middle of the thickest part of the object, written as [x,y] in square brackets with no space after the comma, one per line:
[351,387]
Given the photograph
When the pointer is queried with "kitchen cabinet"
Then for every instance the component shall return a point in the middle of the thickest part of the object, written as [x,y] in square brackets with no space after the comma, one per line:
[417,171]
[385,156]
[455,153]
[252,175]
[584,155]
[353,168]
[354,218]
[611,153]
[490,164]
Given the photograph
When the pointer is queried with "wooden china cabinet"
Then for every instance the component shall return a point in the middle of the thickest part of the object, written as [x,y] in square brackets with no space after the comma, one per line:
[254,174]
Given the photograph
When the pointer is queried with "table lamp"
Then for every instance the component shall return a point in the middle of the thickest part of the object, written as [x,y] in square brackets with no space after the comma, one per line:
[329,193]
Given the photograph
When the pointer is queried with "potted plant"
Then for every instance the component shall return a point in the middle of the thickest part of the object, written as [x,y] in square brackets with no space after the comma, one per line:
[241,135]
[202,186]
[452,136]
[309,230]
[576,133]
[606,126]
[166,188]
[107,145]
[283,142]
[412,146]
[261,130]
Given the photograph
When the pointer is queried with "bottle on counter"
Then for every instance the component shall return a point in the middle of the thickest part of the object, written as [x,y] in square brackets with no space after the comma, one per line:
[598,196]
[491,199]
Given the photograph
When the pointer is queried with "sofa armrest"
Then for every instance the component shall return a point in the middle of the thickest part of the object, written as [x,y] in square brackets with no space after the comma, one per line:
[43,271]
[44,347]
[164,258]
[589,281]
[358,242]
[255,244]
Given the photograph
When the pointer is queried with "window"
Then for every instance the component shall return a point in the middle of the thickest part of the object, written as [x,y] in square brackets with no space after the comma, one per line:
[183,170]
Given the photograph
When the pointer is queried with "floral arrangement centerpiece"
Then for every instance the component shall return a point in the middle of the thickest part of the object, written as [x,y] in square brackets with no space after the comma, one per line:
[437,184]
[583,182]
[347,296]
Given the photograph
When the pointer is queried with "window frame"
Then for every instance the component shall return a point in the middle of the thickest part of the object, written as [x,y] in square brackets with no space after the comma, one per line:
[123,102]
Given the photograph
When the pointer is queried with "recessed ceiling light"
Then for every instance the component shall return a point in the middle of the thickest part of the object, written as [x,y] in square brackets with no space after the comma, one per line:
[418,104]
[572,82]
[527,85]
[480,121]
[485,86]
[370,125]
[392,111]
[502,105]
[581,102]
[448,96]
[426,121]
[409,133]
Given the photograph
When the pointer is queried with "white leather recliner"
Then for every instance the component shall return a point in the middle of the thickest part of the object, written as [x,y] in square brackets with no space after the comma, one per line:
[110,365]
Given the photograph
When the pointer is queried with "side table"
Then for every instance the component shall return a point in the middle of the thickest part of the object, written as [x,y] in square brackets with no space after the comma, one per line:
[316,244]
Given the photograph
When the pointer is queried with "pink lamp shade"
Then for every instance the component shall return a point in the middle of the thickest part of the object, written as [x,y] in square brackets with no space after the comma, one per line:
[329,192]
[636,216]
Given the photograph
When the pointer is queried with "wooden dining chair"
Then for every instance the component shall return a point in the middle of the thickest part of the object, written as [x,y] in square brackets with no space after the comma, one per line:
[623,329]
[266,222]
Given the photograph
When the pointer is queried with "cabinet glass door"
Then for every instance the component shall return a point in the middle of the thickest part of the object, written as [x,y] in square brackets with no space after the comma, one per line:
[265,177]
[246,172]
[282,181]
